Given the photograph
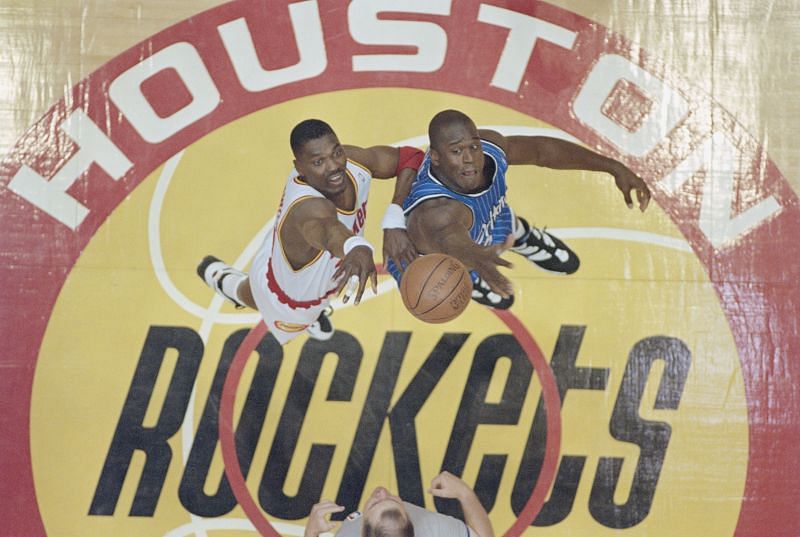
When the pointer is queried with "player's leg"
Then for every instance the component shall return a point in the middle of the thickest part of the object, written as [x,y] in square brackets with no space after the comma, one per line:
[226,281]
[543,249]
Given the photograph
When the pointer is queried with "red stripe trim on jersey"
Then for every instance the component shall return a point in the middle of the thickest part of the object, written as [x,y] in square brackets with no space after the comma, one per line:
[273,286]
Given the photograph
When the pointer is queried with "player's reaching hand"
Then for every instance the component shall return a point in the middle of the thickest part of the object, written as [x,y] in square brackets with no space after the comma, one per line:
[356,269]
[398,247]
[318,518]
[626,181]
[486,265]
[442,225]
[447,485]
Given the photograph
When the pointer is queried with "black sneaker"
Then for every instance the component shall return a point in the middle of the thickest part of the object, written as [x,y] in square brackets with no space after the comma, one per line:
[545,251]
[482,294]
[322,328]
[212,271]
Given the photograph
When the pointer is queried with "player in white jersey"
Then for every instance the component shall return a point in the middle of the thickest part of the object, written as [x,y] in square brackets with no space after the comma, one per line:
[316,247]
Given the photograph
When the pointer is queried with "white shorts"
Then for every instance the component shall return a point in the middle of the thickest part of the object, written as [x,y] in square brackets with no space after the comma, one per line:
[284,321]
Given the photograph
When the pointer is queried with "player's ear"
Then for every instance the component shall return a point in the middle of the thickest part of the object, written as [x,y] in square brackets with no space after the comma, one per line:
[301,171]
[435,157]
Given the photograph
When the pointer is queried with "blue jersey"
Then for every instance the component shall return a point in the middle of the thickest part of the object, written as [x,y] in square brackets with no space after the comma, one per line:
[492,220]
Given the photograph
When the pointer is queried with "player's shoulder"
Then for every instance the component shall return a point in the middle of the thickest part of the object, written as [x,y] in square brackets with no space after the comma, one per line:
[493,139]
[358,169]
[360,158]
[433,523]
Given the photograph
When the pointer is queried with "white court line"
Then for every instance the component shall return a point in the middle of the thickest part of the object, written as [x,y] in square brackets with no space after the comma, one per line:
[211,315]
[620,234]
[240,524]
[157,259]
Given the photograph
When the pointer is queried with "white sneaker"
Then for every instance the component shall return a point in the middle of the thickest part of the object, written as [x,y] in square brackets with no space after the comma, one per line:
[546,251]
[212,271]
[322,328]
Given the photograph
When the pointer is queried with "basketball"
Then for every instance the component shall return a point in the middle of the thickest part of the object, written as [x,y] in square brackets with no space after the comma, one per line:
[436,288]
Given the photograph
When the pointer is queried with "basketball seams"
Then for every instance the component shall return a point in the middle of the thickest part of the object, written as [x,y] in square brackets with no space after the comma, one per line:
[421,288]
[456,289]
[432,286]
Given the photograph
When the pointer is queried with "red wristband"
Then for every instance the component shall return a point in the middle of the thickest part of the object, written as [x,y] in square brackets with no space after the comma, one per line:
[409,157]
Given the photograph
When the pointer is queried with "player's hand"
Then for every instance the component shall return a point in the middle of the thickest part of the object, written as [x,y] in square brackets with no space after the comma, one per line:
[398,247]
[318,518]
[486,267]
[447,485]
[626,181]
[356,269]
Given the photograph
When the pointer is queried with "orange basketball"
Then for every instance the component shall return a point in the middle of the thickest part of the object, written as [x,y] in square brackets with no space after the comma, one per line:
[436,288]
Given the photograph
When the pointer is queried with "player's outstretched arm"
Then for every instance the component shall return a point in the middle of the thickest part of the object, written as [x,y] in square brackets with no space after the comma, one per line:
[563,155]
[311,226]
[385,162]
[447,485]
[442,225]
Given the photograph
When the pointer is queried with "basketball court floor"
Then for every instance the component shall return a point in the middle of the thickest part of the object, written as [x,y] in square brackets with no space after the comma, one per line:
[653,393]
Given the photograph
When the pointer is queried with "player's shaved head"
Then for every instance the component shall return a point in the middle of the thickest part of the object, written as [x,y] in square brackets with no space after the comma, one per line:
[441,122]
[307,130]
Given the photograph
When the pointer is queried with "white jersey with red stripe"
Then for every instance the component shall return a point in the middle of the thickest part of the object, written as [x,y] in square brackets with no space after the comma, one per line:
[290,299]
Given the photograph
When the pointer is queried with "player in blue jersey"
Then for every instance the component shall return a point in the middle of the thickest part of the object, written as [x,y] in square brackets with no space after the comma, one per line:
[458,202]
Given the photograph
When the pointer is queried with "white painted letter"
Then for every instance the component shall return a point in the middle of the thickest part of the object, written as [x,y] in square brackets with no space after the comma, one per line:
[126,92]
[51,195]
[663,110]
[524,32]
[429,38]
[720,159]
[310,43]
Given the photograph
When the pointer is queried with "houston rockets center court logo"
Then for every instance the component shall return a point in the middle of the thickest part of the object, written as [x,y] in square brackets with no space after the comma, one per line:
[652,393]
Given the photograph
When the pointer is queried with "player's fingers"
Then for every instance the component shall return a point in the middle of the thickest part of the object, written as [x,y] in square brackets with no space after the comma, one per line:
[361,287]
[342,279]
[626,193]
[500,285]
[352,284]
[503,263]
[324,506]
[435,492]
[411,255]
[331,508]
[373,278]
[338,273]
[507,244]
[643,194]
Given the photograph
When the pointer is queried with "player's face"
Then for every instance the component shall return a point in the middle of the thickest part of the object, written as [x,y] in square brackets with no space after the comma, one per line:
[458,158]
[379,501]
[322,163]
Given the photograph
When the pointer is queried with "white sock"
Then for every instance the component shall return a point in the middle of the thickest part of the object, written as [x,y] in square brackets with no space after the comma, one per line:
[231,283]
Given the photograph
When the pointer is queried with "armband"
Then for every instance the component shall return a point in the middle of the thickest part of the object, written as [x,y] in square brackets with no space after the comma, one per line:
[394,217]
[409,157]
[354,242]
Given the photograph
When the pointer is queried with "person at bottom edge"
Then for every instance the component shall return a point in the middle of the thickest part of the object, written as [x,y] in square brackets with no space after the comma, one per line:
[386,515]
